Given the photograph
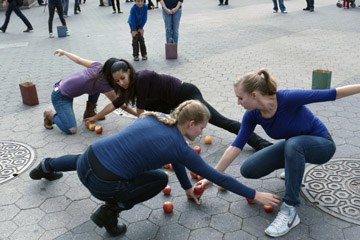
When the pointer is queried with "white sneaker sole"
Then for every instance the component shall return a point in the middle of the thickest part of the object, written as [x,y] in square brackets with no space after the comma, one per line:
[297,221]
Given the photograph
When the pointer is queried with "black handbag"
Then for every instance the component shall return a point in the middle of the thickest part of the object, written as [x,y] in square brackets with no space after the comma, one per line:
[19,2]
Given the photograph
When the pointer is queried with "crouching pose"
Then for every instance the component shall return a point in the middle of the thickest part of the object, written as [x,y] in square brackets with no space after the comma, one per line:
[123,169]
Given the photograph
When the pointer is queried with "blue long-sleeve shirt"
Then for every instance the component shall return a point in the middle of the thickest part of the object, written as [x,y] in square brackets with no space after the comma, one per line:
[291,118]
[138,16]
[148,144]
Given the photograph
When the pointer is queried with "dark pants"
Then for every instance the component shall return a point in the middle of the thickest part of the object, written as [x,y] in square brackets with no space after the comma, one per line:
[60,11]
[138,40]
[123,192]
[189,91]
[222,1]
[310,4]
[12,6]
[117,4]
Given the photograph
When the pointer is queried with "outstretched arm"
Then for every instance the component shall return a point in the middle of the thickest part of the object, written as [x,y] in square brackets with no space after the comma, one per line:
[347,90]
[74,58]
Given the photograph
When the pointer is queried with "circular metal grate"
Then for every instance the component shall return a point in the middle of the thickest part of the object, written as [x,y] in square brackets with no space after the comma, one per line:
[15,158]
[334,187]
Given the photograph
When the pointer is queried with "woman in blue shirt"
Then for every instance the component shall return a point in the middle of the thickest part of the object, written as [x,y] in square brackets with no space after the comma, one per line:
[283,115]
[123,169]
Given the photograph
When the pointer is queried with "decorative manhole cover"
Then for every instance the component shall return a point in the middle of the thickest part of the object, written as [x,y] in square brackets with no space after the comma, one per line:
[335,188]
[15,158]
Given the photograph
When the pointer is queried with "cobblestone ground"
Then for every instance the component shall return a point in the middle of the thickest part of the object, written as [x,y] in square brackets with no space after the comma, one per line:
[217,44]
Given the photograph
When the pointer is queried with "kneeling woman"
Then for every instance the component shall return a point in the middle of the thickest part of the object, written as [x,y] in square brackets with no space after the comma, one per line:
[159,92]
[123,169]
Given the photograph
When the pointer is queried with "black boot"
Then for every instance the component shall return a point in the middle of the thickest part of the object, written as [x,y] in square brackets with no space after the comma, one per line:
[37,173]
[107,216]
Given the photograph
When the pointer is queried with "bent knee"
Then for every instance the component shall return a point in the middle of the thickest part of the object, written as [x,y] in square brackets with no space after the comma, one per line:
[248,172]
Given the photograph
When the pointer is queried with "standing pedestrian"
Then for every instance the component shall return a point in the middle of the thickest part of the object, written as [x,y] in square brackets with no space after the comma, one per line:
[221,2]
[281,5]
[59,8]
[13,6]
[117,5]
[309,5]
[171,11]
[65,4]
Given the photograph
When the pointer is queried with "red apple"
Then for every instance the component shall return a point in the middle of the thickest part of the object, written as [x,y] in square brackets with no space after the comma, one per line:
[197,149]
[167,190]
[170,167]
[207,140]
[250,201]
[199,177]
[193,175]
[221,188]
[98,129]
[168,207]
[268,208]
[92,126]
[198,190]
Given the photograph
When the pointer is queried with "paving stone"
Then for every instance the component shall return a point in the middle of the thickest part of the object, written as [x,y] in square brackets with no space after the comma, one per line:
[205,233]
[55,204]
[7,228]
[325,231]
[29,217]
[352,233]
[142,230]
[53,234]
[226,222]
[160,218]
[173,231]
[55,220]
[28,232]
[139,213]
[238,235]
[194,219]
[8,212]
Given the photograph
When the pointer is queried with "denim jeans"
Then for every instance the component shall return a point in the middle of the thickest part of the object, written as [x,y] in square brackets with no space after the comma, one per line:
[52,5]
[13,7]
[172,22]
[310,4]
[189,91]
[291,154]
[65,4]
[126,193]
[281,5]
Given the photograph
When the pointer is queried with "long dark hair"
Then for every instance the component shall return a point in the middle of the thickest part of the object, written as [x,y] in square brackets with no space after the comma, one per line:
[127,94]
[106,72]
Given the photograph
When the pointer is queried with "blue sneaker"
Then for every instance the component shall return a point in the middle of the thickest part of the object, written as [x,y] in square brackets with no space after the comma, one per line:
[286,219]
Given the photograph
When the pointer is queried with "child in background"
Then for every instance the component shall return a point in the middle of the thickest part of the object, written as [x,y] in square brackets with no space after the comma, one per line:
[347,3]
[137,20]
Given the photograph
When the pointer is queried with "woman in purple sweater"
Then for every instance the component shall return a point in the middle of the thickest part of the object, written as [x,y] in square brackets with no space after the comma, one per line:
[162,93]
[123,169]
[283,115]
[93,80]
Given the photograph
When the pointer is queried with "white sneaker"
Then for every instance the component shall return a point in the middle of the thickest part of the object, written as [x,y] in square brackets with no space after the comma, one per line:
[67,33]
[51,35]
[275,11]
[286,219]
[282,175]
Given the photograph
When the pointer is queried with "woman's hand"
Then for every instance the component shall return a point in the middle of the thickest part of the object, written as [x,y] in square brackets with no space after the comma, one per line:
[59,51]
[268,198]
[133,33]
[4,4]
[190,195]
[141,31]
[204,183]
[168,11]
[90,120]
[174,10]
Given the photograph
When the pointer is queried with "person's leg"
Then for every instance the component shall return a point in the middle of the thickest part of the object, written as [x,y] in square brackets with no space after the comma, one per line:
[157,105]
[8,12]
[91,106]
[275,5]
[142,46]
[21,15]
[298,151]
[282,6]
[93,97]
[175,24]
[168,25]
[60,12]
[264,162]
[65,6]
[64,117]
[135,45]
[51,7]
[118,5]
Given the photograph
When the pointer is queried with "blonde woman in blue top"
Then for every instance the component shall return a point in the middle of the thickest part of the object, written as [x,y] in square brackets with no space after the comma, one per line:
[137,20]
[283,115]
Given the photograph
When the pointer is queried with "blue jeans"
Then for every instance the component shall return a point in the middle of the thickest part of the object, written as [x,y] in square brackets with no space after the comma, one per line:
[65,117]
[310,4]
[281,5]
[65,4]
[13,7]
[172,22]
[291,154]
[126,193]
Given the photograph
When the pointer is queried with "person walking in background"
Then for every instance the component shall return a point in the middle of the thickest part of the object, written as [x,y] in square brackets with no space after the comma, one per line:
[77,8]
[171,11]
[117,5]
[309,5]
[137,20]
[346,3]
[124,169]
[59,8]
[12,6]
[281,5]
[65,4]
[221,2]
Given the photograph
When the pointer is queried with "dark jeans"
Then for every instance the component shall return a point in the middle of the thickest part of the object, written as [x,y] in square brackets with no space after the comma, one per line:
[310,4]
[138,40]
[60,11]
[189,91]
[12,6]
[117,4]
[124,192]
[222,1]
[291,154]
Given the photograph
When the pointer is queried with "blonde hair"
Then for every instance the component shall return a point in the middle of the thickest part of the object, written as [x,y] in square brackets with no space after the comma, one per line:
[186,111]
[261,81]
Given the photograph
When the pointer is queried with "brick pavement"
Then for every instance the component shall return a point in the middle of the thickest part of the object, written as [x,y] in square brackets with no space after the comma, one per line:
[217,44]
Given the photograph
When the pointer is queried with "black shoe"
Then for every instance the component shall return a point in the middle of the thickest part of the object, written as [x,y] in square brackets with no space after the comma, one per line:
[306,9]
[220,4]
[28,30]
[101,5]
[3,30]
[37,173]
[107,216]
[262,145]
[311,9]
[226,3]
